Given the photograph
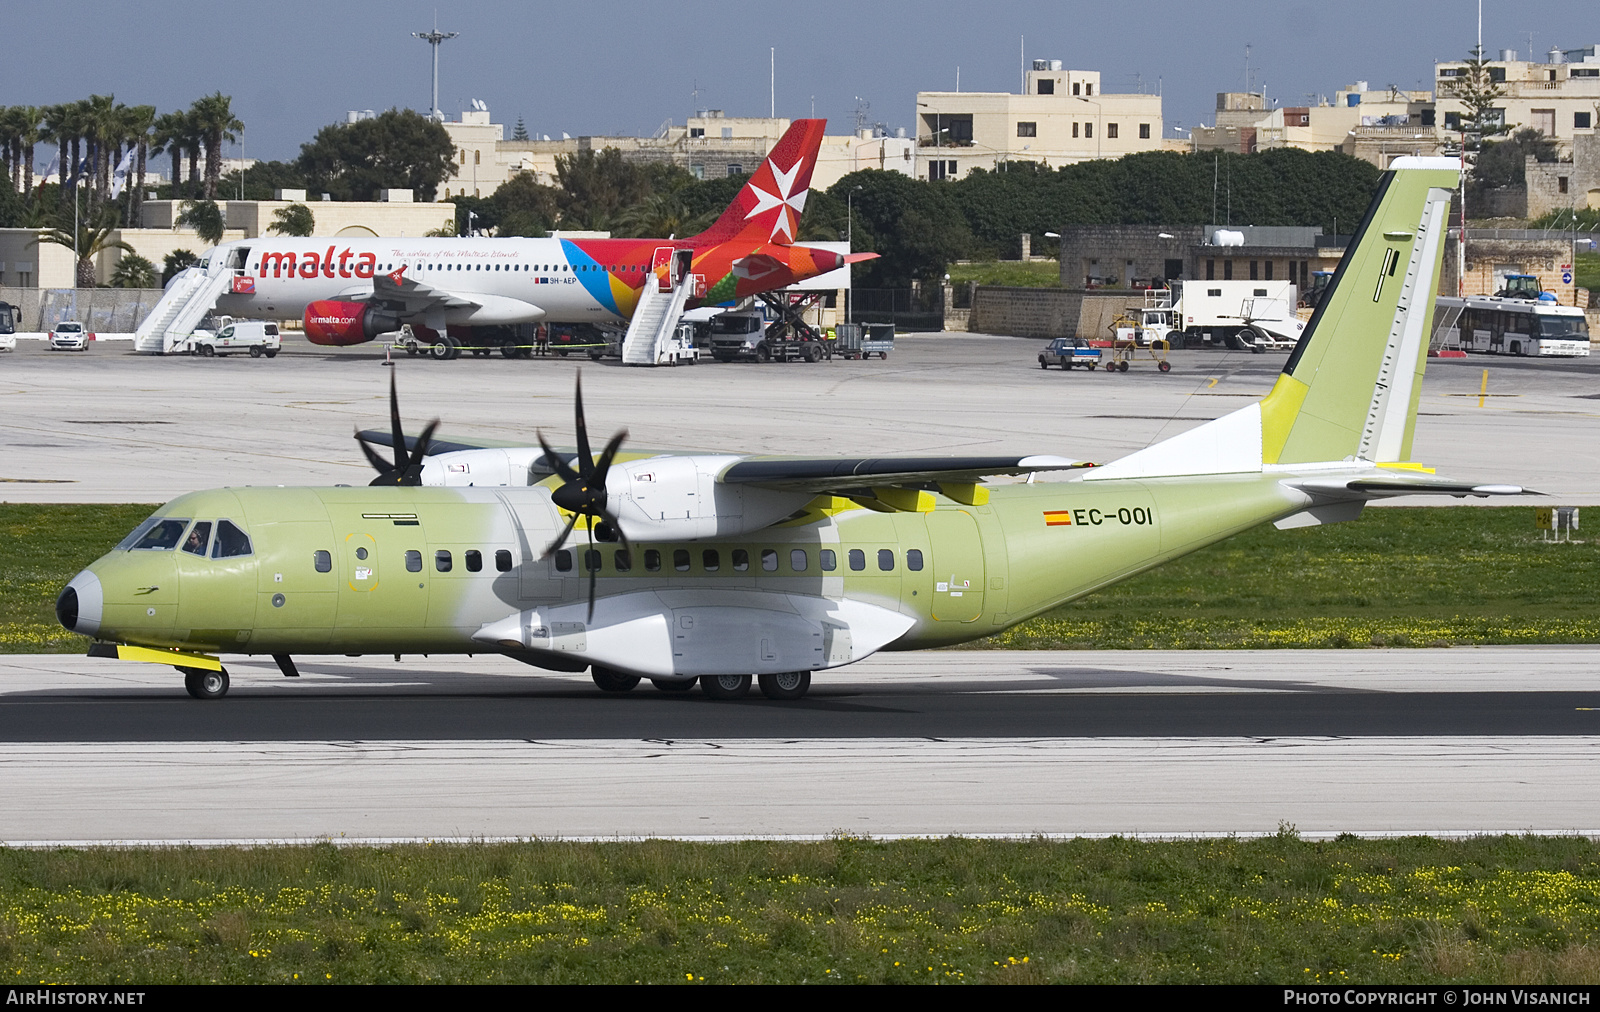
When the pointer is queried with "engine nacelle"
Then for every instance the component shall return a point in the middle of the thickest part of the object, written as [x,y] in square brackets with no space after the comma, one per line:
[337,323]
[680,498]
[513,466]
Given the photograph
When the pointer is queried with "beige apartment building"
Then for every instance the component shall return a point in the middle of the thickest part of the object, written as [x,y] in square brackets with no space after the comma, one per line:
[709,146]
[1062,117]
[1560,96]
[1376,126]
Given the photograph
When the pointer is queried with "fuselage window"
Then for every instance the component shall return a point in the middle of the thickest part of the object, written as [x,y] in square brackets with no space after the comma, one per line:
[827,560]
[195,543]
[413,561]
[159,536]
[591,560]
[623,561]
[441,560]
[914,560]
[886,559]
[361,554]
[322,559]
[502,561]
[652,560]
[680,559]
[769,559]
[741,560]
[710,561]
[858,559]
[798,560]
[564,561]
[230,542]
[474,560]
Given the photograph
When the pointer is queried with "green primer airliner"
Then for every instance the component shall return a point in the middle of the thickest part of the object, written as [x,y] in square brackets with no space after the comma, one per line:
[715,568]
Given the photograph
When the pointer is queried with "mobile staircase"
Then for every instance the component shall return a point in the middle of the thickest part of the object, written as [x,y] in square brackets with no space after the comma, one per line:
[654,320]
[190,295]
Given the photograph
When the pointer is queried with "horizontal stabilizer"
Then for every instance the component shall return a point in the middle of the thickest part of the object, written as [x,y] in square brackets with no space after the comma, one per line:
[1385,487]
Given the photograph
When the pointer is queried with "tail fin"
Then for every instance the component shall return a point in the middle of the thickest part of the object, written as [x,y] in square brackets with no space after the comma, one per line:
[1351,385]
[768,208]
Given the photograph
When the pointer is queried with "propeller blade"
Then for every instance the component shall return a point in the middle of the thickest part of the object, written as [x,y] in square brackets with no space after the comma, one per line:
[585,458]
[401,461]
[562,470]
[603,465]
[627,545]
[555,545]
[383,467]
[413,472]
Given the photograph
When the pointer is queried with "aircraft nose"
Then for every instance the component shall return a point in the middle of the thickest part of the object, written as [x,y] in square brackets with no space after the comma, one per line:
[81,604]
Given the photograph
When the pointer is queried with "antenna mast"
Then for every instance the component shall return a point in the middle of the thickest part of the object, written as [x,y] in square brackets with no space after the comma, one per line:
[433,39]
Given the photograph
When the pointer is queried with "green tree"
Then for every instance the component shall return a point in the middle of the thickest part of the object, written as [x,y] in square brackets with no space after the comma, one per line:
[398,149]
[524,206]
[520,133]
[597,185]
[296,219]
[1478,91]
[176,261]
[1504,163]
[92,238]
[916,227]
[134,271]
[263,180]
[205,217]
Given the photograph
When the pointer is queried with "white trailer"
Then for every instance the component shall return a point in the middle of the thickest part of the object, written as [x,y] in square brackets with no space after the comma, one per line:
[1236,314]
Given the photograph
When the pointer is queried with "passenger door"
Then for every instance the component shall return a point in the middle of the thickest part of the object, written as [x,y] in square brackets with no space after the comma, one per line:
[958,566]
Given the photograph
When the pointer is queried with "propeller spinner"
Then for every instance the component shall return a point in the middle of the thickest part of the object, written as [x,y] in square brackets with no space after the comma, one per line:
[583,492]
[406,468]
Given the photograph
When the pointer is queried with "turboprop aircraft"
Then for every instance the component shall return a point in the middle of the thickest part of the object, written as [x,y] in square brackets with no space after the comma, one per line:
[715,568]
[351,290]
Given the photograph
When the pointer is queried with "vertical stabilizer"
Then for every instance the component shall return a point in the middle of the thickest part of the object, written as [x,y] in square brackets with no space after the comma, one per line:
[768,209]
[1351,386]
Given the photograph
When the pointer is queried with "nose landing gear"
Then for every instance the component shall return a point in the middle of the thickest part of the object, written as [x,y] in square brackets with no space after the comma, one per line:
[203,684]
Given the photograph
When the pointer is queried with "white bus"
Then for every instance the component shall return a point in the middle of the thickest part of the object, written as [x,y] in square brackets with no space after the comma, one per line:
[1513,326]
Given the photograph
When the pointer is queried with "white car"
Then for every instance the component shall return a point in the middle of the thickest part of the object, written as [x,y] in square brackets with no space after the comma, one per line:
[69,336]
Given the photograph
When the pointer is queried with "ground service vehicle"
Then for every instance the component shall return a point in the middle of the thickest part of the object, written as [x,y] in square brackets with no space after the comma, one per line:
[69,335]
[1496,325]
[8,326]
[863,340]
[258,337]
[1067,352]
[1236,314]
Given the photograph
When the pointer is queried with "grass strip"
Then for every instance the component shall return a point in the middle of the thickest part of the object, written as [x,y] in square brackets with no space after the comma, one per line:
[1426,576]
[1276,909]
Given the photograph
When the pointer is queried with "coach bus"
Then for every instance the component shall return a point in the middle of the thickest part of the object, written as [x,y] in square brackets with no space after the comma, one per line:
[1499,326]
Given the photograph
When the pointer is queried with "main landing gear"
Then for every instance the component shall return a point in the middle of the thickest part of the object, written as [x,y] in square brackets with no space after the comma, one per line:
[784,686]
[203,684]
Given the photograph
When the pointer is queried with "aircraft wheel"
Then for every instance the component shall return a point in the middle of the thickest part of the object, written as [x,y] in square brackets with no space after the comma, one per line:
[203,684]
[1122,367]
[673,684]
[725,686]
[255,351]
[411,349]
[442,349]
[508,351]
[610,680]
[785,685]
[1165,366]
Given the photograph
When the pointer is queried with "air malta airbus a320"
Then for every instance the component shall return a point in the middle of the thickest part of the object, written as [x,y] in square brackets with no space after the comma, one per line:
[352,290]
[714,568]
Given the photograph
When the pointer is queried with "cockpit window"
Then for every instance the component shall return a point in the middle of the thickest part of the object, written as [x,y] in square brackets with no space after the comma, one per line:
[231,542]
[158,534]
[199,535]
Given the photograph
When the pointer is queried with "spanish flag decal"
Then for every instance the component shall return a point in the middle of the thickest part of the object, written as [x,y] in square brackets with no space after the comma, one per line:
[1058,518]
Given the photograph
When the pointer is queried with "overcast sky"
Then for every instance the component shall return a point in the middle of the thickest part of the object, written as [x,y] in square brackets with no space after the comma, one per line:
[293,66]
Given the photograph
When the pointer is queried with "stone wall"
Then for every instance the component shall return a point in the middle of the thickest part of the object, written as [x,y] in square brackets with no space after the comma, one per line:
[1115,254]
[1539,253]
[1555,186]
[1046,313]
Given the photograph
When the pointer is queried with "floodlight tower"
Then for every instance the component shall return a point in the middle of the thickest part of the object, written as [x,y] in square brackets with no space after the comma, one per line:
[433,39]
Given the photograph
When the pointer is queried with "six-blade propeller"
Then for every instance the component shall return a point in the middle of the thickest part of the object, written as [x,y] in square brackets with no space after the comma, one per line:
[406,469]
[583,492]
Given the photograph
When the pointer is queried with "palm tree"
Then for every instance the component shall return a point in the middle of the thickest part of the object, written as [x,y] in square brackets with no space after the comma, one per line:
[140,120]
[8,145]
[296,219]
[28,134]
[93,238]
[99,129]
[134,271]
[216,124]
[205,217]
[167,135]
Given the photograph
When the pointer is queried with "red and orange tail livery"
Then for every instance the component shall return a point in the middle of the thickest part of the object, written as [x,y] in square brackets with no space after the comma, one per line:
[768,209]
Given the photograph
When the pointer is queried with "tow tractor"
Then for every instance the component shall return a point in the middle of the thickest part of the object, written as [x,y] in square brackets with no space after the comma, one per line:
[1131,337]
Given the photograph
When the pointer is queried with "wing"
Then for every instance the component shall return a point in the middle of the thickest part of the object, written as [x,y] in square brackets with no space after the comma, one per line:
[396,290]
[820,475]
[383,437]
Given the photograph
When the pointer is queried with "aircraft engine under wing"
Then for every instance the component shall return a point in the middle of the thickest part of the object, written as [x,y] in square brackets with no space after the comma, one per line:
[410,297]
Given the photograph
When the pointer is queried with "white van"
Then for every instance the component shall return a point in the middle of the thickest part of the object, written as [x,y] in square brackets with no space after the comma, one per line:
[258,337]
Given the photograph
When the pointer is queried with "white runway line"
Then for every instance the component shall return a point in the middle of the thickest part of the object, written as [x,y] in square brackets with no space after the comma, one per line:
[802,789]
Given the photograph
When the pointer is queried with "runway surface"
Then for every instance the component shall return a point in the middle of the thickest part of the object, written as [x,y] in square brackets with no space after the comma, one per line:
[111,426]
[971,742]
